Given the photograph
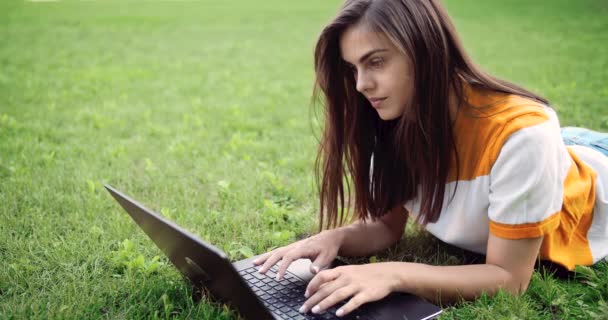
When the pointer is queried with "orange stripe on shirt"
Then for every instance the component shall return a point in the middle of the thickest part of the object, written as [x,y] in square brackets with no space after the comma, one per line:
[525,230]
[484,127]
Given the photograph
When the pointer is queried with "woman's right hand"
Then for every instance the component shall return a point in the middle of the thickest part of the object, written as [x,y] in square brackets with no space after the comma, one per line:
[321,249]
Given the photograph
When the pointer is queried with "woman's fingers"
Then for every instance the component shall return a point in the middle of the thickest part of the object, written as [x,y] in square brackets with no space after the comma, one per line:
[286,255]
[355,302]
[285,262]
[314,249]
[333,298]
[294,254]
[320,279]
[272,260]
[325,290]
[262,258]
[322,261]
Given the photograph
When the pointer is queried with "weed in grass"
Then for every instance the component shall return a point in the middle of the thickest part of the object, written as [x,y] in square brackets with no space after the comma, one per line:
[551,297]
[127,260]
[602,311]
[596,283]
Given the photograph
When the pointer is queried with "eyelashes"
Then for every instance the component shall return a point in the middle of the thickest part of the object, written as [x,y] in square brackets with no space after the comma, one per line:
[375,63]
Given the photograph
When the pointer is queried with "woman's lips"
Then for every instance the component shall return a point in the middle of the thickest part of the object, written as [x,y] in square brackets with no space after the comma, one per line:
[376,102]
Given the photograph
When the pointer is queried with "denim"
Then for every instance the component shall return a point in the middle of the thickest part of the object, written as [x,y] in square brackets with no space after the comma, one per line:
[585,137]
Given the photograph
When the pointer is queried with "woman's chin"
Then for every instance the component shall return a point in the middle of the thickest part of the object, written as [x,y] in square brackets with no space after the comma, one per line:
[386,115]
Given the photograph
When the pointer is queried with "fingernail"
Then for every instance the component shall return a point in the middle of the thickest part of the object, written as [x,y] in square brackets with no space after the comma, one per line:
[306,294]
[277,277]
[315,269]
[340,312]
[255,261]
[302,309]
[316,309]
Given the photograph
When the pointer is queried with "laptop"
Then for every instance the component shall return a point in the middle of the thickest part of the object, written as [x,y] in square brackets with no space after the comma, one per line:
[254,295]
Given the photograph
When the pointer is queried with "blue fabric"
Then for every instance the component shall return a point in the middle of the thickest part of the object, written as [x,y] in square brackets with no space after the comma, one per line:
[587,138]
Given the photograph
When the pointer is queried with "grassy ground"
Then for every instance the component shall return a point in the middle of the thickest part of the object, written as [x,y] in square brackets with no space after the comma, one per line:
[201,111]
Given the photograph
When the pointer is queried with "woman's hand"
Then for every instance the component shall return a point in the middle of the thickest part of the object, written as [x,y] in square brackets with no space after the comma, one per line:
[360,283]
[321,248]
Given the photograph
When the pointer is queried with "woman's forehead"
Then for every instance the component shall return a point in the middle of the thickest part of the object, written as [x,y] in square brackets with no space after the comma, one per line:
[358,40]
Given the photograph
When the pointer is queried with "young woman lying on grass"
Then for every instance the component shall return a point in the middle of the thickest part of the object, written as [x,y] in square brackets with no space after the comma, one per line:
[423,133]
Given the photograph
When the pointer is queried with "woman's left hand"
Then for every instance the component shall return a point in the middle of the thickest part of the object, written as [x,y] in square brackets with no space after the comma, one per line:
[361,283]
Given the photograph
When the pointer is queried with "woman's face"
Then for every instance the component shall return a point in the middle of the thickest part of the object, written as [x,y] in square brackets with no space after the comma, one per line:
[383,74]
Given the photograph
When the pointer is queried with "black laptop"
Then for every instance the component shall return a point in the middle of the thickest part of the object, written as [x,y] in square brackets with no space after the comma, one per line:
[254,295]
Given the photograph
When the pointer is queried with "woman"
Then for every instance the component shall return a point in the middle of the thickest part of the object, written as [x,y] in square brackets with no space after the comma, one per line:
[422,133]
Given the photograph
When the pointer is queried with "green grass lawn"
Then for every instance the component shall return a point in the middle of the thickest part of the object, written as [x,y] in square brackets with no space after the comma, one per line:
[201,110]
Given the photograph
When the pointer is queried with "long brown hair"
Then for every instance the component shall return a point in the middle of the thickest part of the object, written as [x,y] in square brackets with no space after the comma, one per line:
[390,162]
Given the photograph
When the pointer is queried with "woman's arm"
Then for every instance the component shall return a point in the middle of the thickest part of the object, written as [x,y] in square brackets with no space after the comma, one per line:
[509,265]
[361,239]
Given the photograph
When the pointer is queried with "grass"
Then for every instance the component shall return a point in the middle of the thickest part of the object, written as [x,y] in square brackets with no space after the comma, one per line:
[201,111]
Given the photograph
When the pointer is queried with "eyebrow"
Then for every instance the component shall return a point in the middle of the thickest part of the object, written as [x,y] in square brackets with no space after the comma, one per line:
[367,55]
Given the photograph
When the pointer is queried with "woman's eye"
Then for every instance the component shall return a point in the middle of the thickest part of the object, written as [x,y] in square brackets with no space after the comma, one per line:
[376,62]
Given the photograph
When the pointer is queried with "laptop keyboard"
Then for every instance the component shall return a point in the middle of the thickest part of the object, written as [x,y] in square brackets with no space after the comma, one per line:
[283,298]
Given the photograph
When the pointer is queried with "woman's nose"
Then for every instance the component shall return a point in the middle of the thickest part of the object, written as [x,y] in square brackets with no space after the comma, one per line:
[364,82]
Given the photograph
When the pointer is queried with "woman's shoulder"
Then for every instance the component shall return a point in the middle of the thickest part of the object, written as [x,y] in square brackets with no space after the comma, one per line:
[494,123]
[497,115]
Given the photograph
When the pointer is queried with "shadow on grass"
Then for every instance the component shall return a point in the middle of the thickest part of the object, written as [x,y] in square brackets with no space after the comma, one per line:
[419,246]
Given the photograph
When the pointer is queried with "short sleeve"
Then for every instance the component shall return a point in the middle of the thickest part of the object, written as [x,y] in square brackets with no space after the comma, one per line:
[526,183]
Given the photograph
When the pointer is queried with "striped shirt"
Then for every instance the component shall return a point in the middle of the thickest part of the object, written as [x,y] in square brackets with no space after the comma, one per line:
[516,179]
